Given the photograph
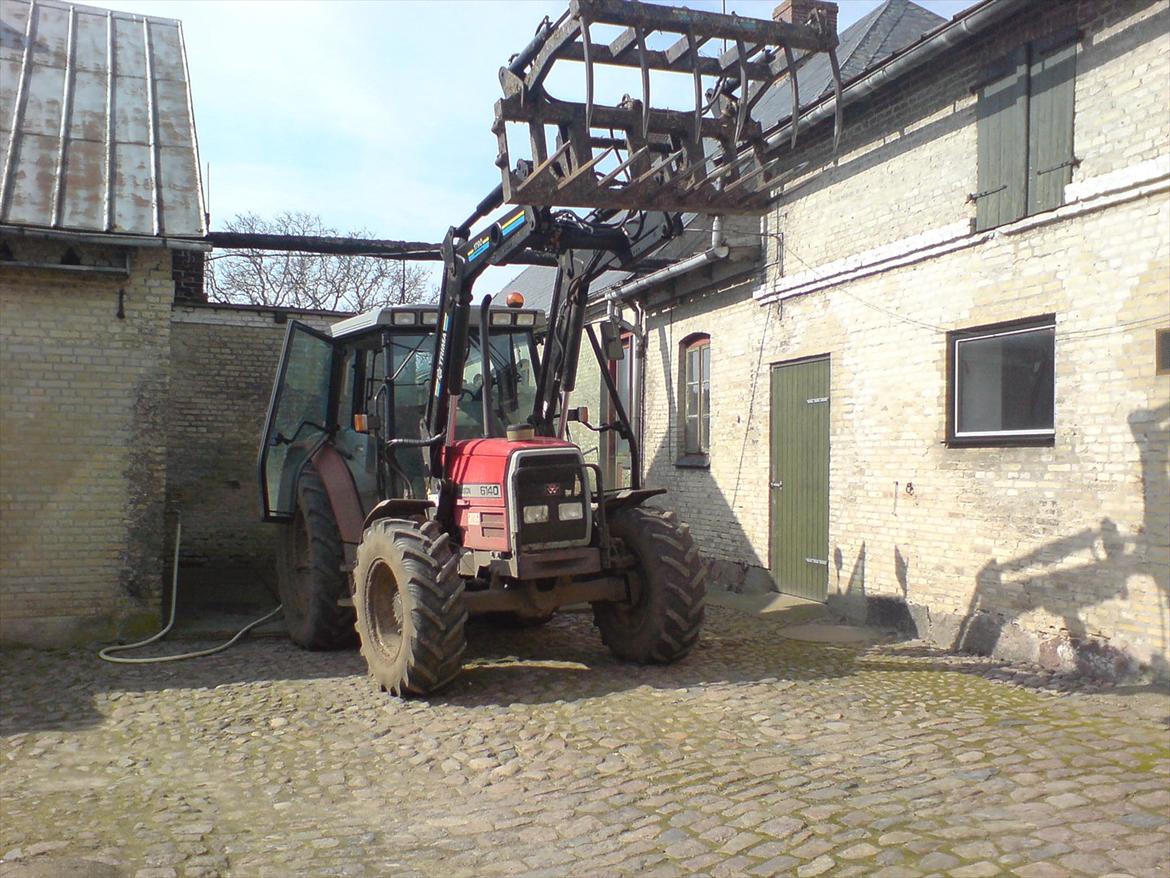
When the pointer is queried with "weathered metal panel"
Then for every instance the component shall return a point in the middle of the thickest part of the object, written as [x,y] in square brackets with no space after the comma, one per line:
[42,108]
[52,35]
[84,185]
[134,181]
[91,41]
[87,113]
[174,123]
[177,168]
[32,183]
[131,110]
[13,21]
[65,133]
[166,52]
[129,46]
[800,478]
[9,72]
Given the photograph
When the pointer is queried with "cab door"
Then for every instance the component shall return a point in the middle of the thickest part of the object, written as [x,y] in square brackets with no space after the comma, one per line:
[298,418]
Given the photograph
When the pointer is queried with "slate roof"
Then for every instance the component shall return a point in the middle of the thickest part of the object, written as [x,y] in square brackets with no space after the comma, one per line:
[890,27]
[97,132]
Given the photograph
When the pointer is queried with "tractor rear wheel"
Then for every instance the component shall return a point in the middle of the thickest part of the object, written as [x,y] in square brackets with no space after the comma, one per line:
[410,609]
[309,573]
[668,585]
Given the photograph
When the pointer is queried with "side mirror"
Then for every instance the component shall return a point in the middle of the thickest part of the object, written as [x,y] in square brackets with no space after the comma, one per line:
[611,340]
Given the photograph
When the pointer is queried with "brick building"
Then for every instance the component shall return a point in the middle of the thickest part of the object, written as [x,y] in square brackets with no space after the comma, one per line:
[938,394]
[100,207]
[126,400]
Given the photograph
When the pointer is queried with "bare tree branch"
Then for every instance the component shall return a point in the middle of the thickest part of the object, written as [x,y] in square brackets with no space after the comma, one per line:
[310,280]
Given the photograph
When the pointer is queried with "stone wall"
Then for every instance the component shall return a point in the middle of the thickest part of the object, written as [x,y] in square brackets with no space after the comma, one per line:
[84,364]
[223,362]
[1024,551]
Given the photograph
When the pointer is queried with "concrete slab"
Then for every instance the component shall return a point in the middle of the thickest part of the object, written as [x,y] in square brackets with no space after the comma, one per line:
[776,607]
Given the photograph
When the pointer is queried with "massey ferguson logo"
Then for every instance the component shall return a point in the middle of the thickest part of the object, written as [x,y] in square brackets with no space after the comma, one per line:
[553,489]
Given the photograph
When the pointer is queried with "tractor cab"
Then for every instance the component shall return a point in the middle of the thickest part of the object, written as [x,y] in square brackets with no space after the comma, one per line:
[367,380]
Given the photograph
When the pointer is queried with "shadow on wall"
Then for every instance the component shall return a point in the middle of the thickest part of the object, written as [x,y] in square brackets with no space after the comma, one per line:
[1005,591]
[696,494]
[883,611]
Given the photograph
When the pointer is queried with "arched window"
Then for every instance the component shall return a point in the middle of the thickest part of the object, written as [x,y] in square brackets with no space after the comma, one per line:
[695,404]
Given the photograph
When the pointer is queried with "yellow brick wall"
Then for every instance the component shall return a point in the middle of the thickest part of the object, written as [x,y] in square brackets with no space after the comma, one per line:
[223,364]
[1051,543]
[82,447]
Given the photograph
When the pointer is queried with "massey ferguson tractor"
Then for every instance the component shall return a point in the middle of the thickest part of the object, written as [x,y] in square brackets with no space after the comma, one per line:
[416,456]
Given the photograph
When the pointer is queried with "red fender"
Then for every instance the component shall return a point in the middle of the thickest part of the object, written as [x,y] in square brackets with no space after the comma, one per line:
[343,495]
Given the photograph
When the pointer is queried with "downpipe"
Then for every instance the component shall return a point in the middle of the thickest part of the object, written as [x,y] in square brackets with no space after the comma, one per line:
[717,252]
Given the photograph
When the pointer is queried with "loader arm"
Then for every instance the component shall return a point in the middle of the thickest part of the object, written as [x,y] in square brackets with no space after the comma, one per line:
[636,166]
[584,246]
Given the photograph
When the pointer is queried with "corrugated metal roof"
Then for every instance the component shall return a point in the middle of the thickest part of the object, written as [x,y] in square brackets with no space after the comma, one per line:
[96,126]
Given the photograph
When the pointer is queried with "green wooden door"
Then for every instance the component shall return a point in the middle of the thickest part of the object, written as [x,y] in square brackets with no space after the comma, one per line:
[799,492]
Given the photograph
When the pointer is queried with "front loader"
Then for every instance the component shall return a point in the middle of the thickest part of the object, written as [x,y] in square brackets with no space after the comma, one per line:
[416,455]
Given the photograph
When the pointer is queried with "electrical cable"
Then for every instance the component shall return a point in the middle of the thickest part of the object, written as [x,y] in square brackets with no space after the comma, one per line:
[105,654]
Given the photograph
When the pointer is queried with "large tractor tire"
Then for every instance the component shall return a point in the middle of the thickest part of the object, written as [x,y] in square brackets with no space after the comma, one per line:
[668,586]
[310,578]
[410,608]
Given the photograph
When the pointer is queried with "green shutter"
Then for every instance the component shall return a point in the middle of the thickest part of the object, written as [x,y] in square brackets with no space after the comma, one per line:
[1002,116]
[1050,125]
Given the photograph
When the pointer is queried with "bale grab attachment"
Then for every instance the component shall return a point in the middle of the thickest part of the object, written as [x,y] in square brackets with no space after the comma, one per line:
[709,159]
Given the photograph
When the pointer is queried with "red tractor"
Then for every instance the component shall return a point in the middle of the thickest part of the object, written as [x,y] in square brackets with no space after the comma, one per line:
[417,457]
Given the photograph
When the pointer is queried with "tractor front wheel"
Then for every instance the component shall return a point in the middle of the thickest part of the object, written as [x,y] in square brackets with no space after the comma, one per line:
[410,609]
[309,573]
[668,584]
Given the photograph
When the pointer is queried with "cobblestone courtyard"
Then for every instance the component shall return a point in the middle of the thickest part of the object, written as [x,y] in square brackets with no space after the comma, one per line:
[757,755]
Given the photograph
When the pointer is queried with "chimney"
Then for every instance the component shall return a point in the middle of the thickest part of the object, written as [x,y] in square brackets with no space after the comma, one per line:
[820,14]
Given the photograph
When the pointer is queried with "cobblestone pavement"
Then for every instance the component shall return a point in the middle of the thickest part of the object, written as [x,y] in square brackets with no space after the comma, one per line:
[755,756]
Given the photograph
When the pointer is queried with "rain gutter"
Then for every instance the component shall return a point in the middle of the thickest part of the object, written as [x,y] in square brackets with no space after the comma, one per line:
[105,239]
[718,251]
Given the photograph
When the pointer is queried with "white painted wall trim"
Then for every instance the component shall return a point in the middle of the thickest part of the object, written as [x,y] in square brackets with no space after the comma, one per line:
[1138,181]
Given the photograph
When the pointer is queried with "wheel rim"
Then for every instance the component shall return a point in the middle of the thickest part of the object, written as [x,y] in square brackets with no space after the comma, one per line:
[384,603]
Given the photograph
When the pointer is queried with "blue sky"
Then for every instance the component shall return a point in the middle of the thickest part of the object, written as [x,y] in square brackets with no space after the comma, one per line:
[373,115]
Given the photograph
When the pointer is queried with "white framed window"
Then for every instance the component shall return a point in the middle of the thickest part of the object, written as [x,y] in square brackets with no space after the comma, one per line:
[1002,384]
[695,398]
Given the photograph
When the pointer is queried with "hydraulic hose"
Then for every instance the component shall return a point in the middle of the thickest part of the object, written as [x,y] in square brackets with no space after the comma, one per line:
[106,654]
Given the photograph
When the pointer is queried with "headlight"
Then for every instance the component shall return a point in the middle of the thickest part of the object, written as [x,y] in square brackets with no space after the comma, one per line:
[535,514]
[570,512]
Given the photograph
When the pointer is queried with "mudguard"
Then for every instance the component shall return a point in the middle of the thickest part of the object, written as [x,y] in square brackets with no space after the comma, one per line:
[343,494]
[398,507]
[628,499]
